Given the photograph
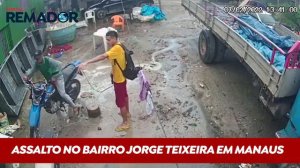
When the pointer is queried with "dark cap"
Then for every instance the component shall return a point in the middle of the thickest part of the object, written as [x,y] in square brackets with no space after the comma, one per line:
[37,53]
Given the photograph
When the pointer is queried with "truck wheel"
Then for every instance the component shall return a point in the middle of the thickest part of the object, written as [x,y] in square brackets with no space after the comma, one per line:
[220,51]
[206,46]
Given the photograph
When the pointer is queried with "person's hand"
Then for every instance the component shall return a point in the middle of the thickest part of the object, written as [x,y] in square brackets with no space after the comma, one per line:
[25,78]
[82,67]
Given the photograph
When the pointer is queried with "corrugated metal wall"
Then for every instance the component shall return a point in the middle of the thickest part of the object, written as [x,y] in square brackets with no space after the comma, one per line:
[12,88]
[16,30]
[16,50]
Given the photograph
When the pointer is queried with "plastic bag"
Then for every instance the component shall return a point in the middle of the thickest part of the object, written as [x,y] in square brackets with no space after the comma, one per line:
[3,120]
[153,10]
[145,18]
[149,105]
[136,11]
[5,128]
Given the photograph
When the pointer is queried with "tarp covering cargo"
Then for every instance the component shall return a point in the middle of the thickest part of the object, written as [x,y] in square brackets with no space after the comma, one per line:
[284,42]
[153,10]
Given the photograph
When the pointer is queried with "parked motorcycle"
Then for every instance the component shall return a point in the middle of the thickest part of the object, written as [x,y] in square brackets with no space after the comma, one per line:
[44,94]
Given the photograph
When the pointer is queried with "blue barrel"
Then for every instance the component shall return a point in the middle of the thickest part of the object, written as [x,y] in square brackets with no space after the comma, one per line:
[292,129]
[63,35]
[76,62]
[295,114]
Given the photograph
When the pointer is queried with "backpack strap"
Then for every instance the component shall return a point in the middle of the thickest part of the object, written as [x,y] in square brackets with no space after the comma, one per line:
[116,62]
[123,47]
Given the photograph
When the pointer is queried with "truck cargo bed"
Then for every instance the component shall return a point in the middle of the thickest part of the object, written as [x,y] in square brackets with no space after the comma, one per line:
[220,23]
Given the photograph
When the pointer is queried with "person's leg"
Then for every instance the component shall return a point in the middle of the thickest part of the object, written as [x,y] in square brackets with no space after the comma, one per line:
[127,104]
[125,95]
[127,108]
[124,114]
[60,86]
[121,94]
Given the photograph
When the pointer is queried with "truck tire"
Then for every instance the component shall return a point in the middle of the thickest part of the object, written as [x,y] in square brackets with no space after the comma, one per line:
[207,46]
[220,51]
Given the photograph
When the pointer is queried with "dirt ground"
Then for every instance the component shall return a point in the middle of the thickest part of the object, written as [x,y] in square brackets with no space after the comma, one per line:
[191,99]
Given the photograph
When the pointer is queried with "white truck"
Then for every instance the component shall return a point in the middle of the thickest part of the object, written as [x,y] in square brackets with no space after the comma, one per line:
[278,89]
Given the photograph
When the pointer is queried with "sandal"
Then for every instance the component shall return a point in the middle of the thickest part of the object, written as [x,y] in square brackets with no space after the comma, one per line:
[122,127]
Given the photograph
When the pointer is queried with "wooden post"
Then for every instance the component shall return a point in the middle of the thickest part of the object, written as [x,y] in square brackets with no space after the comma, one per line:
[93,110]
[88,100]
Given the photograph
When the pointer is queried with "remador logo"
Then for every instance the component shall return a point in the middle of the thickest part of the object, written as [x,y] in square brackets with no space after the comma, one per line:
[21,17]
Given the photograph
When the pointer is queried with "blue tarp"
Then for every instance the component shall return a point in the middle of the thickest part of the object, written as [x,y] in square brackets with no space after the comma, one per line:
[150,10]
[284,42]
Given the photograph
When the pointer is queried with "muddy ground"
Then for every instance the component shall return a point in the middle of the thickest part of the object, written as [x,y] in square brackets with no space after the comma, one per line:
[191,99]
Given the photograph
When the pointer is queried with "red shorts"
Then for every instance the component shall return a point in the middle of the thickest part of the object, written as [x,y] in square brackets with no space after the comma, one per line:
[121,94]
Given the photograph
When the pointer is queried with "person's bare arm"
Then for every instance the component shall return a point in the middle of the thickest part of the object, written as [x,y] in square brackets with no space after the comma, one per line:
[93,60]
[29,73]
[97,58]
